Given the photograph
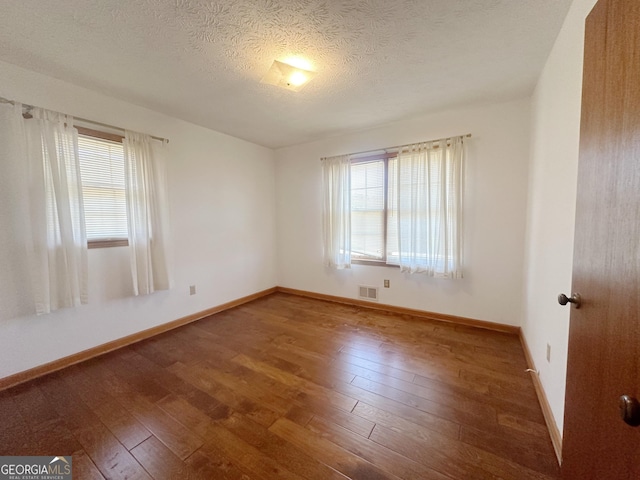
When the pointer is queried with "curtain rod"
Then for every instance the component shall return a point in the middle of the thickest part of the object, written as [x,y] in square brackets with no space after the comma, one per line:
[92,122]
[397,147]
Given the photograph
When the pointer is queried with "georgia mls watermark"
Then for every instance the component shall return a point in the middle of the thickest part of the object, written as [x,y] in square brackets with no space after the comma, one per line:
[35,468]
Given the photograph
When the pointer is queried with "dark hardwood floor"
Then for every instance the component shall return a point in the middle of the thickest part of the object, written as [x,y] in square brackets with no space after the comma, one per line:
[292,388]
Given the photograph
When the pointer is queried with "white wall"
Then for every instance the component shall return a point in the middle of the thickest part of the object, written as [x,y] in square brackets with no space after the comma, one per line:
[555,131]
[495,211]
[222,208]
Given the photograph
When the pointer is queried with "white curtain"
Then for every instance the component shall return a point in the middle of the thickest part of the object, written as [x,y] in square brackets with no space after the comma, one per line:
[146,212]
[57,228]
[16,292]
[336,221]
[425,214]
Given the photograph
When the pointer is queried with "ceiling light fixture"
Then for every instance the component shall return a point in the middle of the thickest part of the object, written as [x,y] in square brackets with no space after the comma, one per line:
[287,76]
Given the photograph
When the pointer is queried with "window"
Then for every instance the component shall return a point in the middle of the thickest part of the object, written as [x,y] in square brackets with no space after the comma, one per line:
[406,208]
[103,188]
[374,231]
[368,210]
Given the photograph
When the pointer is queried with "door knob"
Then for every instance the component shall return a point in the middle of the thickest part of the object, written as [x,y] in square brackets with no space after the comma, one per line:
[575,299]
[630,410]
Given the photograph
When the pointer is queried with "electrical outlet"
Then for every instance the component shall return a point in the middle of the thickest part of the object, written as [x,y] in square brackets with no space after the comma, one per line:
[548,353]
[386,284]
[192,289]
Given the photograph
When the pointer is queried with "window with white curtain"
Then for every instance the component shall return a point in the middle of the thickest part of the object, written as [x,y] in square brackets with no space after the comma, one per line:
[103,188]
[75,187]
[406,208]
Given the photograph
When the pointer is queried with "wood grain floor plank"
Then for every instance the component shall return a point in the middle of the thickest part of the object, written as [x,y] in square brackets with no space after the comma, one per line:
[260,413]
[456,449]
[243,455]
[55,438]
[287,343]
[345,361]
[313,389]
[336,457]
[35,409]
[437,459]
[536,429]
[209,464]
[15,439]
[115,417]
[84,468]
[238,385]
[14,430]
[425,419]
[161,350]
[376,454]
[109,456]
[304,409]
[532,454]
[295,388]
[173,434]
[456,408]
[520,386]
[161,462]
[290,457]
[507,405]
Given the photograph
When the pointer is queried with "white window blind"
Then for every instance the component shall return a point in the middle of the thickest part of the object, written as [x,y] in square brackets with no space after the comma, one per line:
[103,188]
[367,210]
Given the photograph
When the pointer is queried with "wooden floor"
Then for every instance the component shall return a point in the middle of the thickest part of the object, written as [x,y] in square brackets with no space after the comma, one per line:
[292,388]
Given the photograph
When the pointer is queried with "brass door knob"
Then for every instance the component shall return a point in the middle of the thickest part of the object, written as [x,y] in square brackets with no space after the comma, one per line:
[575,299]
[630,410]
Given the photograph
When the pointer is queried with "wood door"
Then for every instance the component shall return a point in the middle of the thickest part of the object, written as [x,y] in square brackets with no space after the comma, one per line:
[604,337]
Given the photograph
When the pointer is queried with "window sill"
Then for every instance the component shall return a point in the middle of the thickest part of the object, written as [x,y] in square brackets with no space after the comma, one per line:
[108,243]
[373,263]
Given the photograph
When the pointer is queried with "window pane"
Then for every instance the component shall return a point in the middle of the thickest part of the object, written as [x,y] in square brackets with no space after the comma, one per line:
[103,188]
[367,210]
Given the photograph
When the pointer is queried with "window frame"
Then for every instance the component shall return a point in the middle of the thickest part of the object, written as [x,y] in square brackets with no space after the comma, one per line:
[103,242]
[384,157]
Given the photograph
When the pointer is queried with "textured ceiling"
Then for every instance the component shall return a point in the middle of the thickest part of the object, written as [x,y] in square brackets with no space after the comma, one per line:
[377,61]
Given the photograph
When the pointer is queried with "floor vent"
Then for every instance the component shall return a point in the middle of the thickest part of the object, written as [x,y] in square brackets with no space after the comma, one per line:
[368,293]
